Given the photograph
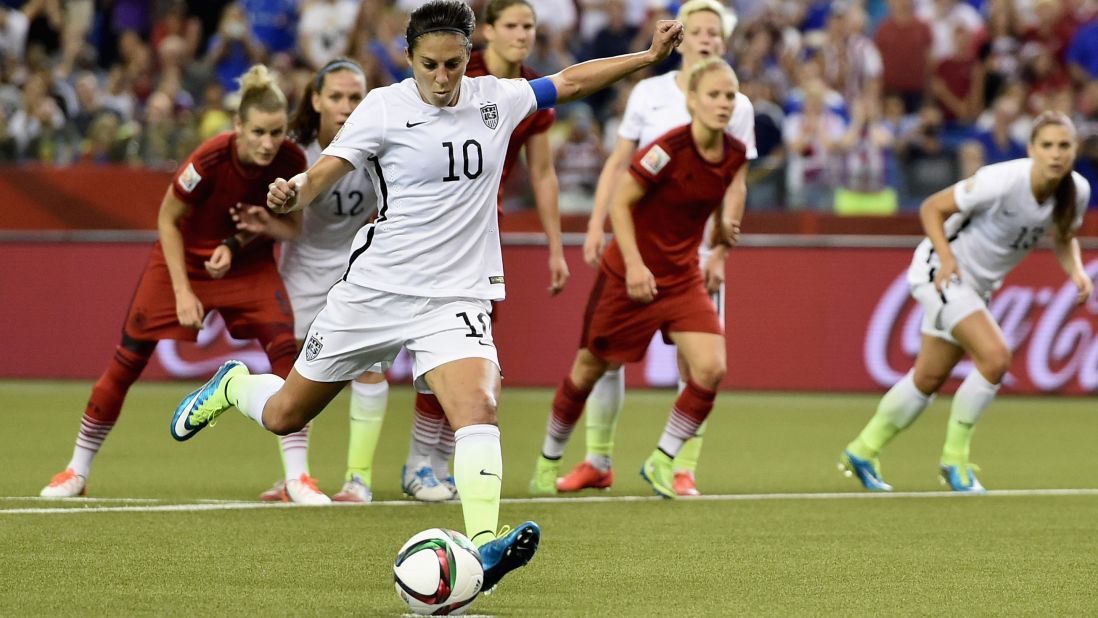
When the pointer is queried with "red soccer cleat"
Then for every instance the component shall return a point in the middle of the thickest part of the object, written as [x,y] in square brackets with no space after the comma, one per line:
[684,485]
[585,476]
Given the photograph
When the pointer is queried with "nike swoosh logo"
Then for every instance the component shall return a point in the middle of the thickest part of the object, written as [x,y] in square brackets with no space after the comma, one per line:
[484,472]
[411,124]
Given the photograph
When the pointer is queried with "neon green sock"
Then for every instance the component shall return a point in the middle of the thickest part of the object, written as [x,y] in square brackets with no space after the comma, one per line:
[368,403]
[687,459]
[958,443]
[478,473]
[876,434]
[603,408]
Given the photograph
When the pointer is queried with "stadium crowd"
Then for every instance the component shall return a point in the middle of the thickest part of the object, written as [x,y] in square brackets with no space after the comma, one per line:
[860,106]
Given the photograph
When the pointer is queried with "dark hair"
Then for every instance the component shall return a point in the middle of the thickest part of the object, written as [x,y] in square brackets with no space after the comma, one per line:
[495,8]
[305,123]
[1063,212]
[450,16]
[258,89]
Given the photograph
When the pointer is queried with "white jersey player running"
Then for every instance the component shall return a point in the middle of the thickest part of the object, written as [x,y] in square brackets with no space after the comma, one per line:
[657,105]
[422,275]
[977,231]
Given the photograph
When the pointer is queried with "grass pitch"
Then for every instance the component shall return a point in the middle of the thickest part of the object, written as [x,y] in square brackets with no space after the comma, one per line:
[173,529]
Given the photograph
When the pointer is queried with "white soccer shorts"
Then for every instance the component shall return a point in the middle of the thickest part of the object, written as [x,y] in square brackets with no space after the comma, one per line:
[943,311]
[308,288]
[363,329]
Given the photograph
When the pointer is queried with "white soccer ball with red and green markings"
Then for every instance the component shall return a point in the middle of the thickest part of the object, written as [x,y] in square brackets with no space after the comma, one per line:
[438,572]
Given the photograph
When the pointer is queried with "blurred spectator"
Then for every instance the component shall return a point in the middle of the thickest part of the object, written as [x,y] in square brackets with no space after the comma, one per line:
[324,30]
[118,95]
[89,102]
[36,127]
[388,45]
[757,59]
[177,22]
[176,62]
[550,54]
[163,141]
[851,62]
[904,42]
[970,157]
[46,19]
[103,142]
[274,23]
[559,17]
[864,152]
[927,165]
[1086,122]
[234,48]
[579,160]
[958,82]
[614,39]
[1082,53]
[996,140]
[999,50]
[944,18]
[213,117]
[810,137]
[766,174]
[13,33]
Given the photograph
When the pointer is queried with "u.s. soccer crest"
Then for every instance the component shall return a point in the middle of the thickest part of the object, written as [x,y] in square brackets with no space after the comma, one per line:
[312,348]
[490,115]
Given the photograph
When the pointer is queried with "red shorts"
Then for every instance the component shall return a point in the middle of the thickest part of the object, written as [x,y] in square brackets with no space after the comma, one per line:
[250,302]
[618,329]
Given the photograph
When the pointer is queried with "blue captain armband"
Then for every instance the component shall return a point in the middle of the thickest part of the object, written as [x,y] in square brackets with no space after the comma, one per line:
[545,92]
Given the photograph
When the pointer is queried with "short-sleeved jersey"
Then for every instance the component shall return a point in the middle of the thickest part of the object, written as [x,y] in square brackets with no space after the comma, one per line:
[212,181]
[681,191]
[330,222]
[436,171]
[657,105]
[538,122]
[998,224]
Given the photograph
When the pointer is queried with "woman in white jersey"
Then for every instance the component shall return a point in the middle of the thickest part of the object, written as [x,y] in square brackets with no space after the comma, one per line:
[977,231]
[421,276]
[316,257]
[656,105]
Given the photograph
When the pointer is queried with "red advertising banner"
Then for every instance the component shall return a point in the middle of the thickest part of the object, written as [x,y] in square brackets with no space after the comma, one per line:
[798,318]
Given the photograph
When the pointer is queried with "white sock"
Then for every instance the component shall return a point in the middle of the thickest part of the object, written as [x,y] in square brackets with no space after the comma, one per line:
[972,398]
[295,453]
[82,460]
[603,409]
[903,403]
[252,394]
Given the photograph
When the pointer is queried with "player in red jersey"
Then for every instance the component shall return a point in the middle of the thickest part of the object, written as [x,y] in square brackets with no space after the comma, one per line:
[201,263]
[649,278]
[509,28]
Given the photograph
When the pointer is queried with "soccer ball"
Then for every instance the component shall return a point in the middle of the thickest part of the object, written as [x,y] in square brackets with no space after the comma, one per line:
[438,572]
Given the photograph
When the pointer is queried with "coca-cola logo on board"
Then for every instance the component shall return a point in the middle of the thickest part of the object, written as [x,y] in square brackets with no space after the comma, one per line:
[1054,342]
[183,359]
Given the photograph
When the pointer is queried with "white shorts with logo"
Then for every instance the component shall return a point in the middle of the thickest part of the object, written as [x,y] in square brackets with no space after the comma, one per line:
[945,310]
[363,329]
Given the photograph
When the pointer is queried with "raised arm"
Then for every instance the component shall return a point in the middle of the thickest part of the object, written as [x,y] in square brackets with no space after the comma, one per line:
[580,80]
[298,192]
[616,165]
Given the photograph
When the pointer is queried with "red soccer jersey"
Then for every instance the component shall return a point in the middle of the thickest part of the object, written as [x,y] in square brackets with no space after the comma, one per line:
[538,122]
[212,181]
[681,191]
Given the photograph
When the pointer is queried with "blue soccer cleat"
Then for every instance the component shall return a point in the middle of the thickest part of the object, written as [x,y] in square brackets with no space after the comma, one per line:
[508,552]
[962,478]
[200,407]
[867,471]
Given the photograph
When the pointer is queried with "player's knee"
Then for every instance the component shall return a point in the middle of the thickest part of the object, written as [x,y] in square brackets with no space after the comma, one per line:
[995,364]
[587,370]
[929,382]
[476,407]
[709,375]
[280,418]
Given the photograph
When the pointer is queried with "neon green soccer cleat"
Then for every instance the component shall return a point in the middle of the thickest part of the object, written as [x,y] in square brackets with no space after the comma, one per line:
[201,407]
[544,482]
[657,471]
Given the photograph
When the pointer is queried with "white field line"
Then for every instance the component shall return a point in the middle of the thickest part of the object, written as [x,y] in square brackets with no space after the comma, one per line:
[211,505]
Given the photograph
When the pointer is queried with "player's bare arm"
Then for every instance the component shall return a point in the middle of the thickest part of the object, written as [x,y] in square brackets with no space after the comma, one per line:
[580,80]
[933,214]
[187,306]
[1071,260]
[253,221]
[285,196]
[639,281]
[543,179]
[730,214]
[616,164]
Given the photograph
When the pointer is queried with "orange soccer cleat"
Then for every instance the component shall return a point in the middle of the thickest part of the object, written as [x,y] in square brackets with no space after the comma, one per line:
[585,476]
[684,484]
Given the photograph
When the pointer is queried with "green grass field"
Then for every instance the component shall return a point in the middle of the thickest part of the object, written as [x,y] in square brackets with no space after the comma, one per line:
[781,533]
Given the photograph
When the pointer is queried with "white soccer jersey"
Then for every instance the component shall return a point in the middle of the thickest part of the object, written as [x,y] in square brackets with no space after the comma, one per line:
[330,223]
[998,223]
[657,105]
[436,171]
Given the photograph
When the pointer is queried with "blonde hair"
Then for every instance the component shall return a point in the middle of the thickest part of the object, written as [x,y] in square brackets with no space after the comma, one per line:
[258,89]
[706,66]
[728,17]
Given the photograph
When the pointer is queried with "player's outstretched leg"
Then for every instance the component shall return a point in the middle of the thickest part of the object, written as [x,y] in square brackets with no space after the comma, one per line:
[511,550]
[202,406]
